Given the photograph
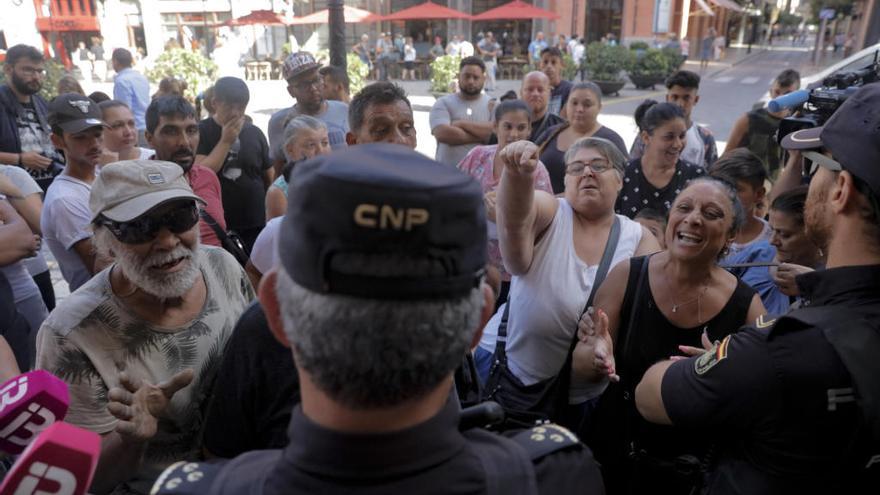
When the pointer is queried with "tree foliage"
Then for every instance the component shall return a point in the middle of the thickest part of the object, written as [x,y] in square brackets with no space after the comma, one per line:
[444,70]
[54,72]
[197,70]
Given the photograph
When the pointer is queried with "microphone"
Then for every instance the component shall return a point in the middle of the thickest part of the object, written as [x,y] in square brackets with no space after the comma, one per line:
[30,403]
[791,100]
[61,461]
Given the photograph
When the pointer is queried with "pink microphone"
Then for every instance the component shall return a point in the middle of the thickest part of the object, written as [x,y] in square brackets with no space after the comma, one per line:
[29,404]
[61,461]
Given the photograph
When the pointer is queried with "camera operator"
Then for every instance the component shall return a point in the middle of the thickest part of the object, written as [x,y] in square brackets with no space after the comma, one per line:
[795,402]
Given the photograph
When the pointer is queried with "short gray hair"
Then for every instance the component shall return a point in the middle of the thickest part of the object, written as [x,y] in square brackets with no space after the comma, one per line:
[605,147]
[299,123]
[370,353]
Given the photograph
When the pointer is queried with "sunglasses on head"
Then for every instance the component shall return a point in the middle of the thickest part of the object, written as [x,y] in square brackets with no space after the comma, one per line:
[814,160]
[146,227]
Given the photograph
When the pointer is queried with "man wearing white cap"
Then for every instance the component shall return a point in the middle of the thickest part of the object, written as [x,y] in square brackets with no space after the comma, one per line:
[138,344]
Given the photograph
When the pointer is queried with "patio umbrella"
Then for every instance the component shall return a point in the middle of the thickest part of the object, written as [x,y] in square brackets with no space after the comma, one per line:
[516,10]
[425,11]
[257,17]
[351,14]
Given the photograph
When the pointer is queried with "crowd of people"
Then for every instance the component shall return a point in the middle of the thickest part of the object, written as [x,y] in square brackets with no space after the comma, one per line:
[536,269]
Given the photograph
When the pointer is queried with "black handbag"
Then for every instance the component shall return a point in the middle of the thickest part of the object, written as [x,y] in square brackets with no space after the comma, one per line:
[228,240]
[548,398]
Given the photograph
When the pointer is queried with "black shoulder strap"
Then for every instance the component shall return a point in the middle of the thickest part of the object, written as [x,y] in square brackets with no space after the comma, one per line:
[634,311]
[543,440]
[857,343]
[221,234]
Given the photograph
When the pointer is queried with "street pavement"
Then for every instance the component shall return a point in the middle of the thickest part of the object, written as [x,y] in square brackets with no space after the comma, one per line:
[728,89]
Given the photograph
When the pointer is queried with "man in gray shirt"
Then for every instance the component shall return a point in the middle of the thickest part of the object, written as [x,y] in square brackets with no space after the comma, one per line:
[489,50]
[306,85]
[462,120]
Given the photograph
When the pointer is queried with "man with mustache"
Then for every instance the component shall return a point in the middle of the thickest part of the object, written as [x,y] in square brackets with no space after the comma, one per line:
[24,128]
[173,132]
[138,345]
[462,120]
[77,130]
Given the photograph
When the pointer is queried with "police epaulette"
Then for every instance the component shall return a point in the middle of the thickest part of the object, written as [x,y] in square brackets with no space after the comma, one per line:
[545,439]
[184,478]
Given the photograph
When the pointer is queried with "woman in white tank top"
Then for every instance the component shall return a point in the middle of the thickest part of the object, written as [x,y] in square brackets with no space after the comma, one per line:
[553,246]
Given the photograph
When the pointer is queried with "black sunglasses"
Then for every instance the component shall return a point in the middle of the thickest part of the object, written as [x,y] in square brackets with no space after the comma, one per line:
[813,160]
[146,228]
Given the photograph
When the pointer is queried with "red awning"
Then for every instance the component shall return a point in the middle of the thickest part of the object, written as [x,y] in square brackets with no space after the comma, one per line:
[516,10]
[351,14]
[266,17]
[425,11]
[729,4]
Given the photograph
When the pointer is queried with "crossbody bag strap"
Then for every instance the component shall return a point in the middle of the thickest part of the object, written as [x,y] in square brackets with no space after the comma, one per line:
[219,232]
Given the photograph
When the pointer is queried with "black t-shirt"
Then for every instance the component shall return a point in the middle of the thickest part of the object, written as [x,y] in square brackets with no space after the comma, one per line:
[554,159]
[559,96]
[256,389]
[638,193]
[241,178]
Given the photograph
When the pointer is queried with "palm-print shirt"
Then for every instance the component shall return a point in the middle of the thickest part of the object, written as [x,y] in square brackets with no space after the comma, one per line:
[92,336]
[478,164]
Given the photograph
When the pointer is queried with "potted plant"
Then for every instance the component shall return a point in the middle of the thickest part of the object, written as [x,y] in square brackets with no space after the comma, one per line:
[444,75]
[639,48]
[197,70]
[674,59]
[649,69]
[606,64]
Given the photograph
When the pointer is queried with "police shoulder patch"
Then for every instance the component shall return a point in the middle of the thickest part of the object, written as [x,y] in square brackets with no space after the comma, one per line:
[545,439]
[713,356]
[763,321]
[185,478]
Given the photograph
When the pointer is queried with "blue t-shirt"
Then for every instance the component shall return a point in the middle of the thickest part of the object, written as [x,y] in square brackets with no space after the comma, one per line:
[758,277]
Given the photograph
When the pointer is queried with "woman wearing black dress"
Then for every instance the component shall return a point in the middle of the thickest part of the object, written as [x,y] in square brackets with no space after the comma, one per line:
[646,311]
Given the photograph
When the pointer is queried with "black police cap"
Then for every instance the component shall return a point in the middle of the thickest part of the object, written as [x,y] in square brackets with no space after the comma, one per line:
[385,202]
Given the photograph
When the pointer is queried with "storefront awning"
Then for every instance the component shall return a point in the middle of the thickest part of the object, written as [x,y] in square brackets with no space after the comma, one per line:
[704,9]
[729,4]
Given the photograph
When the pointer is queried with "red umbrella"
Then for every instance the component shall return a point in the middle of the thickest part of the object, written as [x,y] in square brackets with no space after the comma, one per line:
[351,15]
[515,10]
[257,17]
[425,11]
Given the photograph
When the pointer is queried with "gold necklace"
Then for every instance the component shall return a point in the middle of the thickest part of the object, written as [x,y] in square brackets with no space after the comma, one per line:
[698,300]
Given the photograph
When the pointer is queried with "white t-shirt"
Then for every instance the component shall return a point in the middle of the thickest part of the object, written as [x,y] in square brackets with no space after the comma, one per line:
[547,301]
[145,153]
[20,281]
[409,53]
[264,254]
[451,108]
[467,49]
[65,221]
[694,149]
[27,185]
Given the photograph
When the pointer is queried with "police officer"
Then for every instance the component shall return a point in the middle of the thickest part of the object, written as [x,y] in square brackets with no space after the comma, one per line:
[795,403]
[379,293]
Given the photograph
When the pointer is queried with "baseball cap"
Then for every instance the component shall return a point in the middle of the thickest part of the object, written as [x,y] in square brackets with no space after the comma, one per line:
[383,201]
[852,135]
[127,189]
[74,113]
[298,63]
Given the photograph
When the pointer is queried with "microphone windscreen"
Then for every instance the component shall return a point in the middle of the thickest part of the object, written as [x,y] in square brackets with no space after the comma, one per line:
[62,460]
[29,404]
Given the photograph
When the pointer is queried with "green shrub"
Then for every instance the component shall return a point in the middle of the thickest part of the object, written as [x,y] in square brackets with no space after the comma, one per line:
[639,45]
[606,63]
[358,72]
[569,67]
[444,70]
[652,64]
[54,72]
[674,59]
[197,70]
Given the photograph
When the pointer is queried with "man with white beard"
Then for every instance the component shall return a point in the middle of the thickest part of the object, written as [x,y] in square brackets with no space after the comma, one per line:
[138,345]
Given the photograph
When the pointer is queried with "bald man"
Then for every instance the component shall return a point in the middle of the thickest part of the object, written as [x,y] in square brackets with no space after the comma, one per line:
[535,91]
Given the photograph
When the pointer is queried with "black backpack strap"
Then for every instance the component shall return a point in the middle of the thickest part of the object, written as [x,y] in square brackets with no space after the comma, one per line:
[209,220]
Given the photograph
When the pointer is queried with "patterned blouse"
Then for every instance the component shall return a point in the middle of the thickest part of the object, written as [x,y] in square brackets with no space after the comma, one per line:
[478,164]
[638,193]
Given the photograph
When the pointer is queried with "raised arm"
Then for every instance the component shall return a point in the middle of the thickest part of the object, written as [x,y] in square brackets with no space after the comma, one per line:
[523,213]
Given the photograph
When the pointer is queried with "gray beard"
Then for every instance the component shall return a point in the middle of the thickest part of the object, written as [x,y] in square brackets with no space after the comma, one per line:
[163,286]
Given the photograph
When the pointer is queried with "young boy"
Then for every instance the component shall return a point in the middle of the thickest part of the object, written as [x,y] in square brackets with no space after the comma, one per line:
[655,222]
[552,65]
[336,84]
[744,170]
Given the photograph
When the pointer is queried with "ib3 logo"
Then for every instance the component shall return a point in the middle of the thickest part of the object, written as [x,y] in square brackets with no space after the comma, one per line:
[39,471]
[30,422]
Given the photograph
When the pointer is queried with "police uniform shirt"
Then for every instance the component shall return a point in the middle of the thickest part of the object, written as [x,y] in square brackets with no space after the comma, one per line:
[777,397]
[430,458]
